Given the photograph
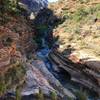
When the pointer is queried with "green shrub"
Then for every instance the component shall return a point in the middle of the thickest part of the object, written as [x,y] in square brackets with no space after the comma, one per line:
[83,1]
[2,88]
[81,95]
[18,95]
[8,5]
[40,95]
[69,98]
[97,7]
[77,30]
[12,77]
[53,95]
[92,10]
[80,14]
[98,15]
[7,41]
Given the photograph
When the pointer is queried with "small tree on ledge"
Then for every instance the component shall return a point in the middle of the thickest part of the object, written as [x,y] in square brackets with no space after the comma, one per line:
[8,5]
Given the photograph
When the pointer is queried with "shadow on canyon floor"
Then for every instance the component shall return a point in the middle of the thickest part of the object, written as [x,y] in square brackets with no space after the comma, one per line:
[45,22]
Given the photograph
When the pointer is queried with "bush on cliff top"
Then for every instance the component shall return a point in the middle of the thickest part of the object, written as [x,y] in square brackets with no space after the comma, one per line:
[8,5]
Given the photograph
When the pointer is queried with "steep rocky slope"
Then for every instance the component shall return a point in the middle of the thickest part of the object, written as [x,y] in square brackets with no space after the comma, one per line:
[16,40]
[78,38]
[81,27]
[68,29]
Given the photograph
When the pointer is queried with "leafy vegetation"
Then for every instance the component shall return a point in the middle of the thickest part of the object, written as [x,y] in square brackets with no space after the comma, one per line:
[81,24]
[2,88]
[7,8]
[53,95]
[40,95]
[12,77]
[81,95]
[83,1]
[69,98]
[80,14]
[18,95]
[8,5]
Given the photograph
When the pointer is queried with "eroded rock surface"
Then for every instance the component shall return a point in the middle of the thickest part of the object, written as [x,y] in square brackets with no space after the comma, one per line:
[61,91]
[80,73]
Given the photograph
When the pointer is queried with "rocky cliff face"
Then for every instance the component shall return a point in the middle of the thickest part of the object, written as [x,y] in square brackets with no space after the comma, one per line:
[79,33]
[16,40]
[16,37]
[17,31]
[74,25]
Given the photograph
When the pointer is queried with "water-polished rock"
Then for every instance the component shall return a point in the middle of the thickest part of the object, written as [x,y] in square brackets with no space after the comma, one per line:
[61,91]
[35,80]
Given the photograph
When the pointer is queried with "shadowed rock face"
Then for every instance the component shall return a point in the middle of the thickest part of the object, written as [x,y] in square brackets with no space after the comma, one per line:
[35,5]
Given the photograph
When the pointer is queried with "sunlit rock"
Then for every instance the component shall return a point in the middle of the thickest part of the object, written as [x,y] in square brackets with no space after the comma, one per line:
[35,5]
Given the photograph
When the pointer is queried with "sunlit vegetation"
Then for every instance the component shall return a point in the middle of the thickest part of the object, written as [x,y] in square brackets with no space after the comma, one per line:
[18,94]
[7,8]
[75,21]
[8,5]
[80,14]
[12,77]
[40,96]
[53,96]
[83,1]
